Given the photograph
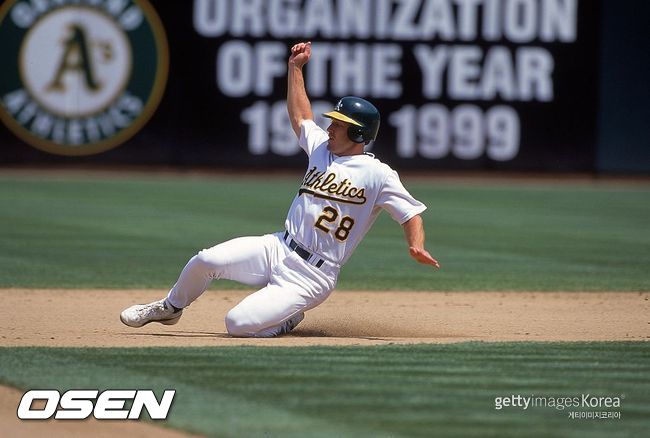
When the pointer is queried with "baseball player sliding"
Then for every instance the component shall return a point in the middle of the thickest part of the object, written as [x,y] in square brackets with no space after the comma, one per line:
[341,195]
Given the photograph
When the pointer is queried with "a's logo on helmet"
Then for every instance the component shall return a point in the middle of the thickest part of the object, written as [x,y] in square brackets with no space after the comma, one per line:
[71,82]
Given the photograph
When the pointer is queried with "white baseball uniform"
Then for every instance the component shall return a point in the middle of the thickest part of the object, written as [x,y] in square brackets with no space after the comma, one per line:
[337,203]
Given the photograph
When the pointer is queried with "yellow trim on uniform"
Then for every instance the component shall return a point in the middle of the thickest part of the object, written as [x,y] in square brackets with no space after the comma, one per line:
[342,117]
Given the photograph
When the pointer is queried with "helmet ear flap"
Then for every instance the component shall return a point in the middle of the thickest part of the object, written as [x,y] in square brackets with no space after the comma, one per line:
[355,133]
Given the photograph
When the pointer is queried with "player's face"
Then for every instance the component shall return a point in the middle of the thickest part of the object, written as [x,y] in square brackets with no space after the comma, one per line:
[339,143]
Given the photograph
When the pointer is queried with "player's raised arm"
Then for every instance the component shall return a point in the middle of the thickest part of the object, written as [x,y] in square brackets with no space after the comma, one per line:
[298,104]
[414,234]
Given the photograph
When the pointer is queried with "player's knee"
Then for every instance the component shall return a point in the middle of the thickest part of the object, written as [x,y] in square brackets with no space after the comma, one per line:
[238,323]
[207,262]
[204,259]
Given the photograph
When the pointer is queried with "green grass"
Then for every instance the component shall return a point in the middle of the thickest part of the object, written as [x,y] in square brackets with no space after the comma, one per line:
[138,232]
[426,390]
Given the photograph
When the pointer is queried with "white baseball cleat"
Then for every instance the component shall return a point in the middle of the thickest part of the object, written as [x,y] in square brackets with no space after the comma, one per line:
[158,311]
[291,323]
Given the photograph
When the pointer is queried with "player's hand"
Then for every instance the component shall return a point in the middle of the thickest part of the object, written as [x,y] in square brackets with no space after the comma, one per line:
[421,255]
[300,54]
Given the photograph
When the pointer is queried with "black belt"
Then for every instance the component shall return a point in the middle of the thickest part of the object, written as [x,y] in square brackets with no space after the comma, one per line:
[303,253]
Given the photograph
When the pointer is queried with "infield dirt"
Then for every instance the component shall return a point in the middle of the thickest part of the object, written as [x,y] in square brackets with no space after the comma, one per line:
[76,318]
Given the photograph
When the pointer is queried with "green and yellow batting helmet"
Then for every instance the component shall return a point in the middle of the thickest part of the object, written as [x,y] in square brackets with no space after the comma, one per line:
[362,116]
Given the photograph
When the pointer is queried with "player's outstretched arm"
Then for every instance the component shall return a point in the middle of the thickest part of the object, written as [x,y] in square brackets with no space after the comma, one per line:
[298,104]
[414,234]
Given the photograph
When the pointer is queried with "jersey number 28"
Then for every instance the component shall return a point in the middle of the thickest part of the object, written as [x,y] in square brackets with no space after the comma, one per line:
[330,215]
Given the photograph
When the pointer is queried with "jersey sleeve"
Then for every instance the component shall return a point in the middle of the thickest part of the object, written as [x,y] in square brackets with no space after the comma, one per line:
[397,201]
[311,136]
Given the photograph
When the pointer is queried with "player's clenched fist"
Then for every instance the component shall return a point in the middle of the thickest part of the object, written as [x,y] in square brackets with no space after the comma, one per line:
[300,54]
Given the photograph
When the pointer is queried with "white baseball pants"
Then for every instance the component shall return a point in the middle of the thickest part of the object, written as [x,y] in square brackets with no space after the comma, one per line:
[291,284]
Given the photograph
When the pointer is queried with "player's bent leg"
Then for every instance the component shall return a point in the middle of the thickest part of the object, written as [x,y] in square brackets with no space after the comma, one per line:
[271,311]
[295,287]
[240,327]
[244,259]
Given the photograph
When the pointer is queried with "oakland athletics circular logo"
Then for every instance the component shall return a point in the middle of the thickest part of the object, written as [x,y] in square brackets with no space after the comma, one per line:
[80,76]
